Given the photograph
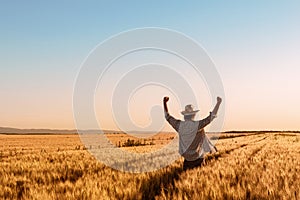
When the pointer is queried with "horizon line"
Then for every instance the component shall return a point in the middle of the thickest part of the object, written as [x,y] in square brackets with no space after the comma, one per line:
[111,130]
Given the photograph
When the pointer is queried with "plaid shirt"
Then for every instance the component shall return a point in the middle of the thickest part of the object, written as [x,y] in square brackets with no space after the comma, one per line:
[191,136]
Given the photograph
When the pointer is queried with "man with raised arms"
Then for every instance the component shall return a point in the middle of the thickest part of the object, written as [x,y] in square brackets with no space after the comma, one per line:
[193,142]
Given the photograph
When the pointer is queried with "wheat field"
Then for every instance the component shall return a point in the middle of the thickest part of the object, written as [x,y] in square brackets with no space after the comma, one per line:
[247,166]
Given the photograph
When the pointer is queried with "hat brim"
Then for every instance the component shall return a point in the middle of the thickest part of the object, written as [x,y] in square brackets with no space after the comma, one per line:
[189,113]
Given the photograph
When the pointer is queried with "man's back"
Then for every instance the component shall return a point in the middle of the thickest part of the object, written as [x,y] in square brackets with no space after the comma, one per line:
[191,135]
[190,139]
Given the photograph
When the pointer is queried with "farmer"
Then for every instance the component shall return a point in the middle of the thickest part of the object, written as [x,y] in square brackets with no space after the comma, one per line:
[193,142]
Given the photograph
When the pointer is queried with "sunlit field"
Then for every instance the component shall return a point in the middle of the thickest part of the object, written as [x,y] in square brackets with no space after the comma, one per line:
[247,166]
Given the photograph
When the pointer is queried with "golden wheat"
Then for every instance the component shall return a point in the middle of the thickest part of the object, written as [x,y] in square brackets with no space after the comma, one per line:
[257,166]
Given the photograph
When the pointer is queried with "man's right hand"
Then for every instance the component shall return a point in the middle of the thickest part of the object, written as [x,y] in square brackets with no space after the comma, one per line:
[166,99]
[219,99]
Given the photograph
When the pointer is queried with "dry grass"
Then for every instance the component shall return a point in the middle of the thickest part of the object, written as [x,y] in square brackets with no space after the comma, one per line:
[260,166]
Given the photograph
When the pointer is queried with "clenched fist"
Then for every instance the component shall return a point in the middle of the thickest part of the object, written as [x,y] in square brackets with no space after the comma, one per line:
[166,99]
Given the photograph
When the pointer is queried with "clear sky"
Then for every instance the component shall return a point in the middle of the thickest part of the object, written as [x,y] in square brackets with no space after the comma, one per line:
[254,44]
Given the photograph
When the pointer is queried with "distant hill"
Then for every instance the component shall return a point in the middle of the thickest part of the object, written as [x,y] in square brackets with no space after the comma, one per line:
[8,130]
[262,131]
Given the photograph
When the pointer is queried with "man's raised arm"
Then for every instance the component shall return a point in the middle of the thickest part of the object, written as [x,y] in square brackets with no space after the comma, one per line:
[166,99]
[212,115]
[172,121]
[216,108]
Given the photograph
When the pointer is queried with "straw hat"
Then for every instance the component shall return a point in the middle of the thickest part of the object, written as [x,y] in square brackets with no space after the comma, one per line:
[189,110]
